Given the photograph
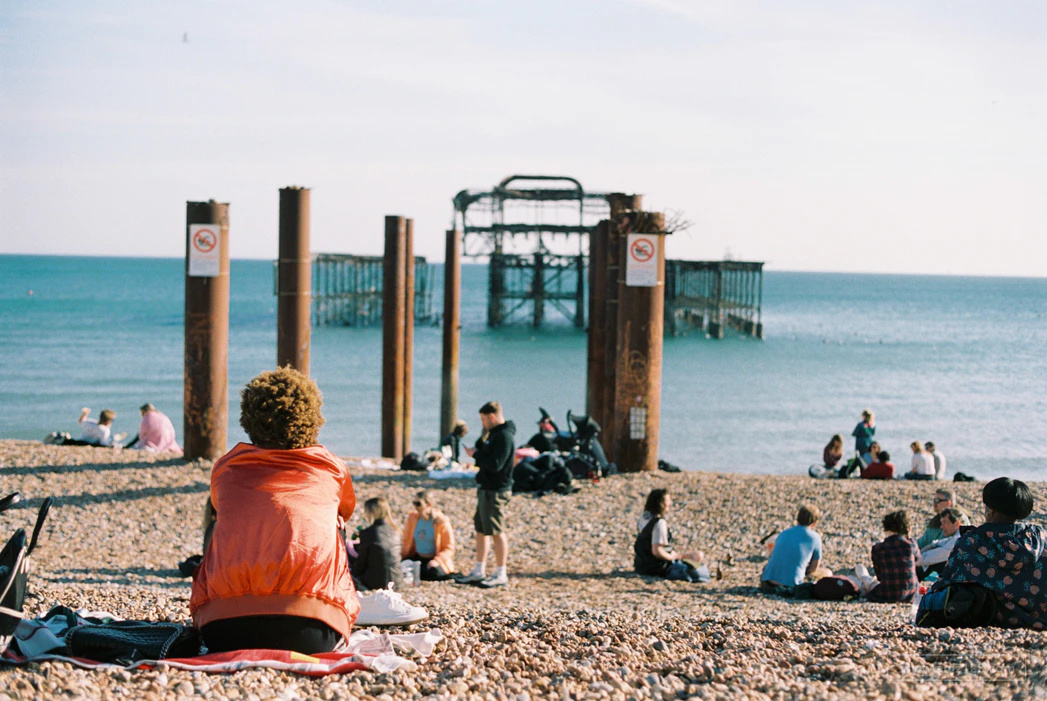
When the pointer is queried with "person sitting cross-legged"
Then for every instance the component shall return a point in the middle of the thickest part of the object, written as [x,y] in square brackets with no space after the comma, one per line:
[936,554]
[797,555]
[429,539]
[275,573]
[894,562]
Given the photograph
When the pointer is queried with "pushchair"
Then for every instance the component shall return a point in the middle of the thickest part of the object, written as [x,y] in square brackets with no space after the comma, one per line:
[14,569]
[580,444]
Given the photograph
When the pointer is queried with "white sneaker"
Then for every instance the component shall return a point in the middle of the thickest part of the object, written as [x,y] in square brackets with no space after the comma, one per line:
[475,577]
[385,607]
[495,580]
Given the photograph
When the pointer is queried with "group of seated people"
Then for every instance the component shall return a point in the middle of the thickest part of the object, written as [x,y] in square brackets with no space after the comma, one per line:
[1003,561]
[927,462]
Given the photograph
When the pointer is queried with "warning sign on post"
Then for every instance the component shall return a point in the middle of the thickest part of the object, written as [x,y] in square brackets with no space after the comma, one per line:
[204,254]
[641,265]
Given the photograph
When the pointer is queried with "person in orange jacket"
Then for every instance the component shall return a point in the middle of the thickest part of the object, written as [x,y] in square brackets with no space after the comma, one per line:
[428,538]
[275,573]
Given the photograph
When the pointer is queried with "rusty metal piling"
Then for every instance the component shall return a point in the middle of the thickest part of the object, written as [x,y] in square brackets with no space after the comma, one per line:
[451,332]
[294,281]
[206,381]
[393,337]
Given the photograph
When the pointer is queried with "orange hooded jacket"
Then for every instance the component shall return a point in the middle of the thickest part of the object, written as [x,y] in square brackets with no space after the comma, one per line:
[276,548]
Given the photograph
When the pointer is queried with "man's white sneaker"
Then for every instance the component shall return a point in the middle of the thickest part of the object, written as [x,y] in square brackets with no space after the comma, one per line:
[473,577]
[495,580]
[385,607]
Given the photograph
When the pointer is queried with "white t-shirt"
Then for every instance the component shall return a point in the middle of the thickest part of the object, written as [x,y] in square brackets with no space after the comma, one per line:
[923,463]
[939,464]
[93,433]
[660,532]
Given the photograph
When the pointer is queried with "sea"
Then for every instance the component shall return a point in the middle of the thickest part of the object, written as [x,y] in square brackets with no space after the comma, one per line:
[960,361]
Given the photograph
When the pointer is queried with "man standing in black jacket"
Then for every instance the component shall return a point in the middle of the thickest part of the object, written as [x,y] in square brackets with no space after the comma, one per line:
[494,456]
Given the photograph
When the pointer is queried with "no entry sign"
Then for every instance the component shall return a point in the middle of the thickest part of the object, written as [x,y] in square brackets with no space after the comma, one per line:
[641,263]
[204,250]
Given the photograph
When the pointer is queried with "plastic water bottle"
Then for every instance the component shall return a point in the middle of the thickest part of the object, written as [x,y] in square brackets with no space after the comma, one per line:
[916,599]
[416,573]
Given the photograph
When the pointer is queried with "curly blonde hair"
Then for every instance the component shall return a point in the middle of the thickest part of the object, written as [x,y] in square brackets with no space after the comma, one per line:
[280,410]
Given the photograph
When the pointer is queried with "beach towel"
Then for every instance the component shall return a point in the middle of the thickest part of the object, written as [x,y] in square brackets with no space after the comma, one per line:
[45,638]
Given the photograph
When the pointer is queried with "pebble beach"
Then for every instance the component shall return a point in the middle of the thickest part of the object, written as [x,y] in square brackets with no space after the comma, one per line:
[574,621]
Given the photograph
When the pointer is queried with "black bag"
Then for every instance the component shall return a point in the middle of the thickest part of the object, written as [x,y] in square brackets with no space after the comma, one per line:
[582,466]
[414,463]
[835,588]
[967,605]
[130,641]
[542,474]
[962,477]
[14,570]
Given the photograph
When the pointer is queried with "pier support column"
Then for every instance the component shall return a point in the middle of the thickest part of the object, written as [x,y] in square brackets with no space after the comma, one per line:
[294,281]
[452,331]
[206,384]
[640,328]
[408,333]
[614,273]
[393,357]
[596,349]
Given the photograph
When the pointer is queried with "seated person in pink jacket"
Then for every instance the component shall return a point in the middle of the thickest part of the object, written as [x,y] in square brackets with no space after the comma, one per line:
[155,433]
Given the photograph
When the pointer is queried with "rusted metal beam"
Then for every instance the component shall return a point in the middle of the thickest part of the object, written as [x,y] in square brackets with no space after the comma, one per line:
[615,275]
[452,331]
[393,312]
[596,341]
[640,329]
[206,384]
[408,332]
[294,281]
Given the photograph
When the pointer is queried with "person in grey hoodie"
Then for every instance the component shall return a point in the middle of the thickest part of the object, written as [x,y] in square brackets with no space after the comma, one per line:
[494,455]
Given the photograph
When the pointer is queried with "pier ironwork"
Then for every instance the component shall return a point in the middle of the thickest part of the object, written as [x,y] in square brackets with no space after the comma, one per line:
[347,290]
[712,296]
[534,232]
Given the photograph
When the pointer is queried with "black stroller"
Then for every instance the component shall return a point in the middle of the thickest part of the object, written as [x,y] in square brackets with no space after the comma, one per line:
[580,445]
[14,569]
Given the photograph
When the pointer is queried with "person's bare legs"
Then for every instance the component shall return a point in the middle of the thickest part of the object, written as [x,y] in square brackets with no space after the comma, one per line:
[501,549]
[483,546]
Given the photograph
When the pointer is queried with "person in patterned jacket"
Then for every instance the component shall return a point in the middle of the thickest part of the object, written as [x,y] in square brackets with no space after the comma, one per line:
[894,561]
[1006,557]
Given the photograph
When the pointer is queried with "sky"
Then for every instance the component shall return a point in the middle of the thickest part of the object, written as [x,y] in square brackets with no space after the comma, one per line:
[823,135]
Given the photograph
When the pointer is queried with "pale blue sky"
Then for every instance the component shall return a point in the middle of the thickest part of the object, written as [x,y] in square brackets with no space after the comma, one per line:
[885,136]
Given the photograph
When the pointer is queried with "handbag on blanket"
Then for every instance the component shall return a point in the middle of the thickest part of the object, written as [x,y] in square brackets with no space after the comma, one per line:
[14,569]
[130,641]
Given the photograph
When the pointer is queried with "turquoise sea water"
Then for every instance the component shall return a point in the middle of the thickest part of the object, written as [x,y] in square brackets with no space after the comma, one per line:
[958,360]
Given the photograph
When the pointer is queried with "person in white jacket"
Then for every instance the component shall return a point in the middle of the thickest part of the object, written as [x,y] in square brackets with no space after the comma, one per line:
[922,464]
[939,460]
[935,555]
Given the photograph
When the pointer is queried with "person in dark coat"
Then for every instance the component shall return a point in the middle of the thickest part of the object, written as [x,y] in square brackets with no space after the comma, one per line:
[494,455]
[377,559]
[454,440]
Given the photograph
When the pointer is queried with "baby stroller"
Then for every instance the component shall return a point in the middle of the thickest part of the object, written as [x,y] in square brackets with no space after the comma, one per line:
[580,444]
[14,569]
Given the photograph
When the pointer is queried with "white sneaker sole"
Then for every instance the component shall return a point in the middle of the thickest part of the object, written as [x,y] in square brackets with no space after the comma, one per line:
[405,620]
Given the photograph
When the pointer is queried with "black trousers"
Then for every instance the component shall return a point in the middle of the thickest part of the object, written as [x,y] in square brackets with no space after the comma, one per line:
[275,632]
[432,574]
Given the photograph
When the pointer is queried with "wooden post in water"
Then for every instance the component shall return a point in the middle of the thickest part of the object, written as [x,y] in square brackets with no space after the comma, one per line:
[206,384]
[393,310]
[452,331]
[640,329]
[294,281]
[408,331]
[615,271]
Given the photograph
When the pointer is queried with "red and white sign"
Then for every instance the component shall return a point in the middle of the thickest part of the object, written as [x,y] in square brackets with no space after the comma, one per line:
[641,264]
[204,250]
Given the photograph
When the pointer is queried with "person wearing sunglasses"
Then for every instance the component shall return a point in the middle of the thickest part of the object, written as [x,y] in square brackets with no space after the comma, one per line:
[428,538]
[942,500]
